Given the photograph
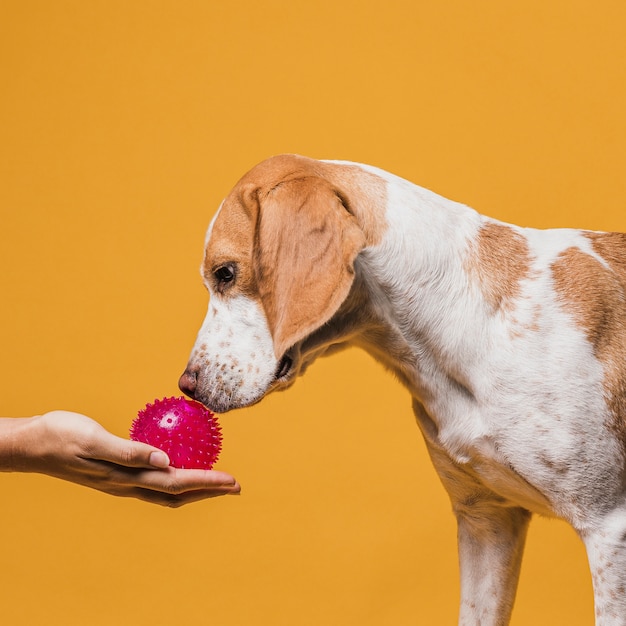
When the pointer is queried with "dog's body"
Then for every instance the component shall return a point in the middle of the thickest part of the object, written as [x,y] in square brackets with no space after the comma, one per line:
[512,342]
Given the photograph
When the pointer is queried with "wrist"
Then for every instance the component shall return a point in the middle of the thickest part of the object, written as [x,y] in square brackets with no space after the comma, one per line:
[16,437]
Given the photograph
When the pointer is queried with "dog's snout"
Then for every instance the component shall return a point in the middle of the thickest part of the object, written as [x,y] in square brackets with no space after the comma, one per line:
[188,381]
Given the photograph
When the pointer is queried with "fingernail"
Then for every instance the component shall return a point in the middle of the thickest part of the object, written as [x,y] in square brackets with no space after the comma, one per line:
[159,459]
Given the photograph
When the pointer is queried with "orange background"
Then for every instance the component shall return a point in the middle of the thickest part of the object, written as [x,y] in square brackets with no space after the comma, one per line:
[122,126]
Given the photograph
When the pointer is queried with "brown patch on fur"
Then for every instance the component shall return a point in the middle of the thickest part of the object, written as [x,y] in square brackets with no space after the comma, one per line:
[364,194]
[612,248]
[232,241]
[499,261]
[596,296]
[304,260]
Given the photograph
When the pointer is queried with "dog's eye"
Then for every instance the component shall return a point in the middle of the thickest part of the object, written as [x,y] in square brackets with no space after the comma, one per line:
[224,274]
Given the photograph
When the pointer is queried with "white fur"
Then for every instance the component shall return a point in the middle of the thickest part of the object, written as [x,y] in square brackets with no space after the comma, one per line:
[236,340]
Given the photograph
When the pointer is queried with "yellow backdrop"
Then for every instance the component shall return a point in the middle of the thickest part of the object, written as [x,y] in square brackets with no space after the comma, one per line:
[122,126]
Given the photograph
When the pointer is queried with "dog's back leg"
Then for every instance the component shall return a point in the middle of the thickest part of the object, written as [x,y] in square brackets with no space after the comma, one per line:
[606,550]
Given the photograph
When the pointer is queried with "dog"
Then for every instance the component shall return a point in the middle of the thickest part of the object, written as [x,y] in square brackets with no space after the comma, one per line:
[511,342]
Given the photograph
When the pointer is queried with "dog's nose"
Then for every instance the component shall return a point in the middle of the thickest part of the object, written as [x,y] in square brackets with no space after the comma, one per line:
[187,382]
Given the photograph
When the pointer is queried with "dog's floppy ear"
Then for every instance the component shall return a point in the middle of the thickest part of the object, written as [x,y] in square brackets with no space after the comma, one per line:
[306,245]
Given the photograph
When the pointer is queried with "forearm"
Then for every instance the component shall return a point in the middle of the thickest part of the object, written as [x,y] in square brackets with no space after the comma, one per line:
[16,437]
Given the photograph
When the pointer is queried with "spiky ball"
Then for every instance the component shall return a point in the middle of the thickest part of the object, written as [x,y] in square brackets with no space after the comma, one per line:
[184,429]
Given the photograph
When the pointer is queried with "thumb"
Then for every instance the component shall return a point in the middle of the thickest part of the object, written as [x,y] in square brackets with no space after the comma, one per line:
[128,453]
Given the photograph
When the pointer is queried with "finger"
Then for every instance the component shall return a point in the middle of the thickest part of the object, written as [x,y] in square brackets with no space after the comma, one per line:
[108,447]
[177,481]
[172,480]
[174,500]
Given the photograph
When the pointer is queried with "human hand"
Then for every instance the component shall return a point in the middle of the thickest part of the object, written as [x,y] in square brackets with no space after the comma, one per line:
[74,447]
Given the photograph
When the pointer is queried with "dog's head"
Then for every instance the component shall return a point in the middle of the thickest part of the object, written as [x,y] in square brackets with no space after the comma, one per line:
[278,264]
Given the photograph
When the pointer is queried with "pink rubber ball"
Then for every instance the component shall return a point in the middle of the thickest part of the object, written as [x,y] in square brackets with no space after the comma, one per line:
[184,429]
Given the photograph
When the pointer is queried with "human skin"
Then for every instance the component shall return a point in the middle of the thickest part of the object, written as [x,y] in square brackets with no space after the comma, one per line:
[76,448]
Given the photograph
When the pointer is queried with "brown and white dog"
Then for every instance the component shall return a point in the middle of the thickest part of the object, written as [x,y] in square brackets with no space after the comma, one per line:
[511,341]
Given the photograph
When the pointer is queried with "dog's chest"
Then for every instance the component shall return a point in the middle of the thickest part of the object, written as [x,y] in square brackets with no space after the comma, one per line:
[491,468]
[472,464]
[536,447]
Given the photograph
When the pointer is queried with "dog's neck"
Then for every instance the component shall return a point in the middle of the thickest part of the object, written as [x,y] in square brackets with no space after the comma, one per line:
[419,295]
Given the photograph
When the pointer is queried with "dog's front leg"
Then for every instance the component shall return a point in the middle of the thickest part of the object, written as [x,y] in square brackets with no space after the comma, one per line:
[491,536]
[491,542]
